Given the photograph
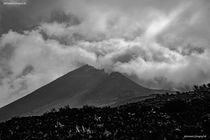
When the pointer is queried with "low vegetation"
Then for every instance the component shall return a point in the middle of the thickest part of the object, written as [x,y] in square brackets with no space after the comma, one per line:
[167,116]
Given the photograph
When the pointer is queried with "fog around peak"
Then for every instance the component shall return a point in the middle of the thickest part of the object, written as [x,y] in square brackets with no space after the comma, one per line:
[160,44]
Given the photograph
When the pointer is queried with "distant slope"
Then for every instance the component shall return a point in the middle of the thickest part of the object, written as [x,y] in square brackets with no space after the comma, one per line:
[85,85]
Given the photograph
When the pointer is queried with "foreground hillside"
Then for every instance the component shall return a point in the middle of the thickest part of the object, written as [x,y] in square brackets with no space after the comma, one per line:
[177,116]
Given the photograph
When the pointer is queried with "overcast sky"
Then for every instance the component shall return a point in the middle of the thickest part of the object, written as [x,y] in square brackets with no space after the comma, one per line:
[158,43]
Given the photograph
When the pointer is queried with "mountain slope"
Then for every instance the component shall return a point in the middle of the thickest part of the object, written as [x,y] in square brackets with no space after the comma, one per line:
[85,85]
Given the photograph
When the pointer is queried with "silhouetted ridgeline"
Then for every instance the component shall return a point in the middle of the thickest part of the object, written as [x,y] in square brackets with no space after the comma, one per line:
[178,116]
[85,85]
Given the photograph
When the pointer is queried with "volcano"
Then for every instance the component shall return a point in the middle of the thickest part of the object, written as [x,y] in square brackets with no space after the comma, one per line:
[83,86]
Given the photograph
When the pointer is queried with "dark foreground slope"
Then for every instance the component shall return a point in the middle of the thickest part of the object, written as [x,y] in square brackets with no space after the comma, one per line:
[82,86]
[165,117]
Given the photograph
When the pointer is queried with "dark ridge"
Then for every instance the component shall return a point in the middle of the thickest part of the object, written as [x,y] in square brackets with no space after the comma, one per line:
[166,116]
[85,85]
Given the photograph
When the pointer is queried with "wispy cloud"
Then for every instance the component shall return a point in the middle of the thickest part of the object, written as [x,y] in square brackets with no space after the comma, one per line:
[157,43]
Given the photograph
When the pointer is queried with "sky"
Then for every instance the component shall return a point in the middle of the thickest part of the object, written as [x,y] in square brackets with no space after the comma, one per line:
[161,44]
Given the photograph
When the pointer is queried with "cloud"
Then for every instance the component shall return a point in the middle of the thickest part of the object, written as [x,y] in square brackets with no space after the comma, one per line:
[35,62]
[157,43]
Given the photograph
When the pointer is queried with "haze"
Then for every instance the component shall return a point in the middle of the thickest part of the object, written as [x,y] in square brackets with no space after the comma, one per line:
[161,44]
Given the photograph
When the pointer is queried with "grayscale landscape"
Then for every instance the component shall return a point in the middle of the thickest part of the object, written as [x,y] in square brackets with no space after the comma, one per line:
[104,69]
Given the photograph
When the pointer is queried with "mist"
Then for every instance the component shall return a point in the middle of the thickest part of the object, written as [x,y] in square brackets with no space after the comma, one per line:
[161,44]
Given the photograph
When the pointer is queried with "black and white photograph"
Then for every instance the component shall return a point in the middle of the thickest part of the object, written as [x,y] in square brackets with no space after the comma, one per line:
[104,69]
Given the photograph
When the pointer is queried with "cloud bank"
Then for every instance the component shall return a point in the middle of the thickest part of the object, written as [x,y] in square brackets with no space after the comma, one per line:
[157,43]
